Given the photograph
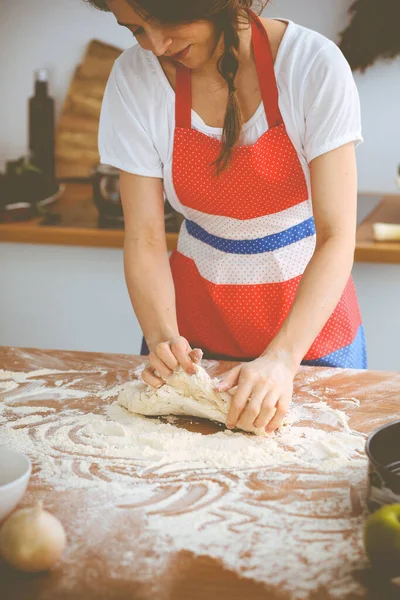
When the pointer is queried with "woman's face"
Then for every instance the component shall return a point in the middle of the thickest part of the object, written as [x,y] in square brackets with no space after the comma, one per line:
[191,44]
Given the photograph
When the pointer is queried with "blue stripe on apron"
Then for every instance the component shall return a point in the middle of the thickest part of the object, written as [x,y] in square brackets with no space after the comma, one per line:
[257,246]
[353,356]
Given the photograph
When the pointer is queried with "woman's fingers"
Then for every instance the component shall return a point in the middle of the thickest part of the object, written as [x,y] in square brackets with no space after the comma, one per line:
[180,348]
[165,357]
[164,353]
[268,408]
[149,377]
[277,420]
[263,394]
[196,355]
[253,407]
[157,364]
[228,380]
[238,403]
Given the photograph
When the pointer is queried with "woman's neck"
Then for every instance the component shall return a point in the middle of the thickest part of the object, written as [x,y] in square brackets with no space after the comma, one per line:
[245,53]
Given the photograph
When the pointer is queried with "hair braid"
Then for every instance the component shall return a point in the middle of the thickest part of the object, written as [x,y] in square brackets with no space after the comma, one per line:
[228,65]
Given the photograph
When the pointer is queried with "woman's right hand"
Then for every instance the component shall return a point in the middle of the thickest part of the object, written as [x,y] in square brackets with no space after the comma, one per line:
[167,356]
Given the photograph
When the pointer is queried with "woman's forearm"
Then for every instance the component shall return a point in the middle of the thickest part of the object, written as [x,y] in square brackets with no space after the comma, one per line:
[318,294]
[151,290]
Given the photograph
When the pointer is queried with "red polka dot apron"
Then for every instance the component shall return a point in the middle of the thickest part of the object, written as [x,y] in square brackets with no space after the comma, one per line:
[248,236]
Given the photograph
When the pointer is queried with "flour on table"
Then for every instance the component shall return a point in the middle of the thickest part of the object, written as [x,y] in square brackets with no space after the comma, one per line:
[23,376]
[182,394]
[286,510]
[114,391]
[27,410]
[7,386]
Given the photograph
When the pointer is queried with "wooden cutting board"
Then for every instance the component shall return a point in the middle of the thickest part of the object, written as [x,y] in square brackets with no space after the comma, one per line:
[76,132]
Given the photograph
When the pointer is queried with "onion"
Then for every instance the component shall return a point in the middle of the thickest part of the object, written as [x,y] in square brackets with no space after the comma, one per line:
[32,539]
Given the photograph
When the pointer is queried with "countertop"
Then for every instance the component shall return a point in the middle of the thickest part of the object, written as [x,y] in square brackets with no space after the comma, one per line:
[78,226]
[367,249]
[142,530]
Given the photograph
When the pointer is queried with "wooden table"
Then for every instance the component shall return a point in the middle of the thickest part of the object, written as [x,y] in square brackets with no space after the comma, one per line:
[115,549]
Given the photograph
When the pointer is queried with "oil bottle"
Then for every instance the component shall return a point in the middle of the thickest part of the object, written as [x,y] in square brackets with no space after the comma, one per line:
[41,126]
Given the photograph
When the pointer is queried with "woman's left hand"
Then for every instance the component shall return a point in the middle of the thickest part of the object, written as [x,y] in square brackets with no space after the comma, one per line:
[264,392]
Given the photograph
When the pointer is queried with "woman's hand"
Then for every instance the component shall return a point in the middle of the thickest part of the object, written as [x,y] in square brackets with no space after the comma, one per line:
[167,356]
[264,392]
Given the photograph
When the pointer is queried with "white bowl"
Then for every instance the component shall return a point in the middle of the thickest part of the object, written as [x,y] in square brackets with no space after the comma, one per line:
[15,470]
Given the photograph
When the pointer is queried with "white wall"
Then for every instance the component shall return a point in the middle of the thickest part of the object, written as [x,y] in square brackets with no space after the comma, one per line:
[379,89]
[378,289]
[54,33]
[65,298]
[76,299]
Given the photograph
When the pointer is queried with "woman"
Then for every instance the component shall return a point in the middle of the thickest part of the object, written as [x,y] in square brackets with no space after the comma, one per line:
[248,126]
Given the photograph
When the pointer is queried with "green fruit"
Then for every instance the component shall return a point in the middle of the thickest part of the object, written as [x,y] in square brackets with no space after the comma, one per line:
[382,540]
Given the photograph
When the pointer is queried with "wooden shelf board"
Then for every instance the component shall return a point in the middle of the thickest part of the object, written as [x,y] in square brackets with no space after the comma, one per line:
[78,226]
[367,249]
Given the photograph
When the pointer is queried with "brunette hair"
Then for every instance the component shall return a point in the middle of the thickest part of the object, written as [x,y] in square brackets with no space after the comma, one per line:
[227,15]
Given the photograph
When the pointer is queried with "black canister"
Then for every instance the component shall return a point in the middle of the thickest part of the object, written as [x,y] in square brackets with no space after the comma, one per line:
[106,195]
[383,451]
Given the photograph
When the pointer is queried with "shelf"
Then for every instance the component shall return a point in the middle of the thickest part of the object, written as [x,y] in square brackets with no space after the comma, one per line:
[367,249]
[78,225]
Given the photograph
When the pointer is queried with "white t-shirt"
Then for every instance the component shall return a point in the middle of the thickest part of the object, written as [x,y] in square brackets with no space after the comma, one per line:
[318,100]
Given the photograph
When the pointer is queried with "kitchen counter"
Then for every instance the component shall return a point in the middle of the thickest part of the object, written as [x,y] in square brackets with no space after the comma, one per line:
[140,529]
[79,227]
[369,250]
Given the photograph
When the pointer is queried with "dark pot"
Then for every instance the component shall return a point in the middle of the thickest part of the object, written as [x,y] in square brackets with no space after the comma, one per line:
[106,193]
[383,451]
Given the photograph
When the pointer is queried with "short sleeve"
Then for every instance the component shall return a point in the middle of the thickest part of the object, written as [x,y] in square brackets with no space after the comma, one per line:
[123,140]
[331,104]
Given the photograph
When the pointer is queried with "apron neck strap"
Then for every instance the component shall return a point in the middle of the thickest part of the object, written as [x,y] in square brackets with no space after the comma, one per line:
[266,78]
[265,70]
[183,97]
